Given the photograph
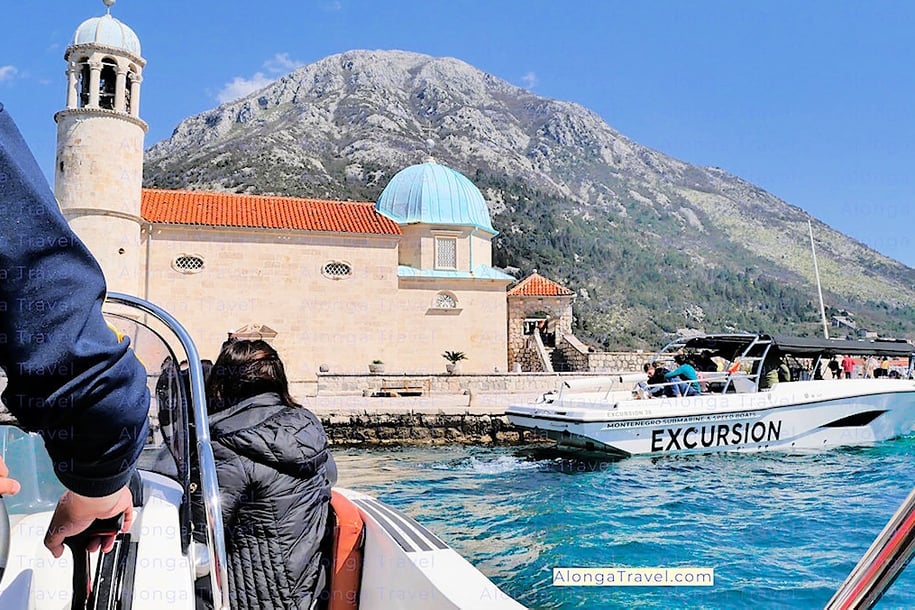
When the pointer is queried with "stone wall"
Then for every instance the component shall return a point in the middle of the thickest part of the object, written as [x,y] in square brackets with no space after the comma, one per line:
[574,352]
[379,429]
[343,324]
[530,357]
[612,362]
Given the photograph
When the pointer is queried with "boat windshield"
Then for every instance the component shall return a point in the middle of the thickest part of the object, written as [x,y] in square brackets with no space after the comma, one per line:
[175,447]
[26,457]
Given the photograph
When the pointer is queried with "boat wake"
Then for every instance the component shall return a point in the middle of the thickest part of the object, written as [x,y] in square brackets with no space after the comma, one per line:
[498,465]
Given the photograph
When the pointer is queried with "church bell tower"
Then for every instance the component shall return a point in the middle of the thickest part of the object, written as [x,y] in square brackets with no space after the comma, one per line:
[98,173]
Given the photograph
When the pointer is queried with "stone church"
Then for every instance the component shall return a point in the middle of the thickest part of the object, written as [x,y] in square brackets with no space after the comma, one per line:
[332,285]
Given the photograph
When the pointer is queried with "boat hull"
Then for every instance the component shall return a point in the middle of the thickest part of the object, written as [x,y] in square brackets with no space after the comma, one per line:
[799,416]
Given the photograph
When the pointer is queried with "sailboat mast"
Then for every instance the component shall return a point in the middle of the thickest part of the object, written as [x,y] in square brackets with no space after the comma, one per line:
[816,270]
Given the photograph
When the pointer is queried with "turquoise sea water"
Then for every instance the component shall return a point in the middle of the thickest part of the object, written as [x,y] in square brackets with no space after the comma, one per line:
[780,531]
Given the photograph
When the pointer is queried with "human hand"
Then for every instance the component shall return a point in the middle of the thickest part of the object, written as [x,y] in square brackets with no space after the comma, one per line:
[75,513]
[8,486]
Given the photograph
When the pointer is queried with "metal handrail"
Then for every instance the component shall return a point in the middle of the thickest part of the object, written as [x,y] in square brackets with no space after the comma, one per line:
[886,558]
[216,547]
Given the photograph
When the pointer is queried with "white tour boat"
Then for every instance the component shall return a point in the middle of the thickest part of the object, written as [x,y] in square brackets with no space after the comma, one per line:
[735,410]
[381,558]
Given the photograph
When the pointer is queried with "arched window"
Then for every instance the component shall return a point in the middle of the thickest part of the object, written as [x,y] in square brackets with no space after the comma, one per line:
[84,78]
[444,300]
[108,80]
[127,91]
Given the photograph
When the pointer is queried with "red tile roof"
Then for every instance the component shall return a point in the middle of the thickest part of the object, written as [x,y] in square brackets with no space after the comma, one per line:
[535,285]
[263,212]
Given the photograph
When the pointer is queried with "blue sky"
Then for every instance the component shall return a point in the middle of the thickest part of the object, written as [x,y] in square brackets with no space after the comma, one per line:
[813,101]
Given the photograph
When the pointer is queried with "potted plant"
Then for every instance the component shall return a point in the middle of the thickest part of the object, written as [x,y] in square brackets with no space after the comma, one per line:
[376,367]
[453,358]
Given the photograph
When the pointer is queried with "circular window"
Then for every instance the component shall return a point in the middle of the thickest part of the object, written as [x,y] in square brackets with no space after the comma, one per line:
[337,270]
[443,300]
[187,263]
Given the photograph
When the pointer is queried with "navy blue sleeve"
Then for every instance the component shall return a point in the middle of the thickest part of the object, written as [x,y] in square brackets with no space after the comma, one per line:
[68,376]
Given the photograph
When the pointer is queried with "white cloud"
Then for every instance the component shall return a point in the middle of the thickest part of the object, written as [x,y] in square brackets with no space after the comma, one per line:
[240,86]
[282,64]
[529,80]
[8,73]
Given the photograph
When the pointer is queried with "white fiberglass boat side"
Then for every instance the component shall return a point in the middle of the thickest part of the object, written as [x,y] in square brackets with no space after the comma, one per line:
[732,413]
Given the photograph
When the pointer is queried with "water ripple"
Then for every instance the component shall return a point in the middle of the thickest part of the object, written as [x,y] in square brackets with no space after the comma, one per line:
[780,530]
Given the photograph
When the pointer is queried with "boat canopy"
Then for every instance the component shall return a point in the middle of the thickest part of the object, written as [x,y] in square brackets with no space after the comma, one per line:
[811,346]
[730,346]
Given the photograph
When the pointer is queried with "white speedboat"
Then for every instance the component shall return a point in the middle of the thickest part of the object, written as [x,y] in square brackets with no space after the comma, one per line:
[381,558]
[735,411]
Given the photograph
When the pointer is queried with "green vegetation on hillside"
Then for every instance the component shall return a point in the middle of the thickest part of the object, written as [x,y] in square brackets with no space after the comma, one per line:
[640,277]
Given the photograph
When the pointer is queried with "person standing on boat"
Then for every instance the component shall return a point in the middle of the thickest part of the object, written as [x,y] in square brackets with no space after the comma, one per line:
[69,377]
[848,366]
[834,368]
[275,474]
[687,374]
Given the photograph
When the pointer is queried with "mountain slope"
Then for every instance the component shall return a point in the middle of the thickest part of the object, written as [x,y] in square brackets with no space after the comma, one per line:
[650,243]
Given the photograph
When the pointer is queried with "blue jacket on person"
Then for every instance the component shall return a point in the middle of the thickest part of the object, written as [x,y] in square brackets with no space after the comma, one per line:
[69,378]
[686,371]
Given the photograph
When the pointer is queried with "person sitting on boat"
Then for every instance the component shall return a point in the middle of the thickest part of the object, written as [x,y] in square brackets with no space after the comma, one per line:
[275,474]
[774,370]
[657,385]
[685,377]
[705,362]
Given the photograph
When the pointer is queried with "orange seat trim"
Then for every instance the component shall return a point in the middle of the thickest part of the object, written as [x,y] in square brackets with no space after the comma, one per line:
[349,547]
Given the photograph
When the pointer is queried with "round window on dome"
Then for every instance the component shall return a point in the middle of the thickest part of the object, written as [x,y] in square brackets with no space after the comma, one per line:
[188,263]
[337,270]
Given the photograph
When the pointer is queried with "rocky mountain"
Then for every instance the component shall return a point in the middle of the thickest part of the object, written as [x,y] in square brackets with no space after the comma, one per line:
[650,244]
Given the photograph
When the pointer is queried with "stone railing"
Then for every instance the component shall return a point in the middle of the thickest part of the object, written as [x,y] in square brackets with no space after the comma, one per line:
[332,384]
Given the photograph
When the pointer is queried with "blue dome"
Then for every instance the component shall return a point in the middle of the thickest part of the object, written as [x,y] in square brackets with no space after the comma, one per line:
[108,31]
[434,194]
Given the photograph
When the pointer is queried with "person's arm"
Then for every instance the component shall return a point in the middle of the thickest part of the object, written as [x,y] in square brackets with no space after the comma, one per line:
[234,483]
[677,371]
[68,376]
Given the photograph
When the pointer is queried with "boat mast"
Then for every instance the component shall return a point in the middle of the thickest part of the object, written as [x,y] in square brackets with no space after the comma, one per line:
[816,270]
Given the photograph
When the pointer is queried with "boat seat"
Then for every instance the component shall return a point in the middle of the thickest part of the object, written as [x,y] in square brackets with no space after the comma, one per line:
[348,547]
[743,384]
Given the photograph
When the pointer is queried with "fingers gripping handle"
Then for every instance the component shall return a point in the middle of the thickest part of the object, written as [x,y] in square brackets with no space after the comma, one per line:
[78,544]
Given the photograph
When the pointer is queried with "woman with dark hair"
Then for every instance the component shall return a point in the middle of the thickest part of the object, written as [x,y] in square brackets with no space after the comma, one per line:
[275,473]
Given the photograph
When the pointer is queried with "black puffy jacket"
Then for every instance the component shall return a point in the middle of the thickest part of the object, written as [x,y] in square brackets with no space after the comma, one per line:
[275,473]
